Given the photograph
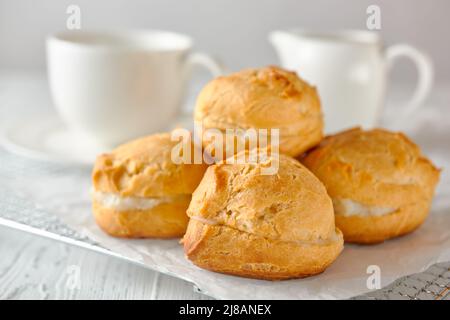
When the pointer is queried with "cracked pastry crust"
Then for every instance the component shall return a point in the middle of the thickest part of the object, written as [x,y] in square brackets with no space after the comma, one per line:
[269,227]
[264,98]
[375,169]
[143,170]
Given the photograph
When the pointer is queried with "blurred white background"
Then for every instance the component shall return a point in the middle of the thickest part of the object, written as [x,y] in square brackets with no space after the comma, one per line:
[233,31]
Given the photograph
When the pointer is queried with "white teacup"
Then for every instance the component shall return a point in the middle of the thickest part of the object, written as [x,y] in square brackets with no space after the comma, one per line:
[114,86]
[349,69]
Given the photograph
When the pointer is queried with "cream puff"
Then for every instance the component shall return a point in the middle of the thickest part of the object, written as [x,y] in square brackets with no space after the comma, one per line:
[380,183]
[139,192]
[265,98]
[249,224]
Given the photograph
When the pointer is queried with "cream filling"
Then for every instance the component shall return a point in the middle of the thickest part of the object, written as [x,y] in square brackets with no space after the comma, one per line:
[116,202]
[332,239]
[348,208]
[204,220]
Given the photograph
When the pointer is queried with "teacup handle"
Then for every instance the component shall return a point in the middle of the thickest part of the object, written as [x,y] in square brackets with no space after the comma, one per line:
[206,61]
[203,60]
[425,72]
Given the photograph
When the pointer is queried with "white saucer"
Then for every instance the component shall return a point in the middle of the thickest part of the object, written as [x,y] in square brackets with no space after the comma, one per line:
[48,139]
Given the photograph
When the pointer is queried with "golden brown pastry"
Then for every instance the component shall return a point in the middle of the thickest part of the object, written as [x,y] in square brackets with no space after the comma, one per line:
[263,98]
[262,226]
[138,191]
[380,183]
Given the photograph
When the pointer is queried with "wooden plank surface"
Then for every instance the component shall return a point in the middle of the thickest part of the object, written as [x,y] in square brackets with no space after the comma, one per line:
[32,267]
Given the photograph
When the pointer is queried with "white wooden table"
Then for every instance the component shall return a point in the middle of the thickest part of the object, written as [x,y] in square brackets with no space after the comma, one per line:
[32,267]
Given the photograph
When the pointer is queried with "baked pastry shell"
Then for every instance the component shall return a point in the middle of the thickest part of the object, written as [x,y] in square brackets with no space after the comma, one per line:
[264,98]
[144,168]
[226,250]
[379,169]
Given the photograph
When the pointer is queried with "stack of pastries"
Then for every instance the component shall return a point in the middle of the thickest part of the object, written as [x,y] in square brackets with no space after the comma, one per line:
[359,186]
